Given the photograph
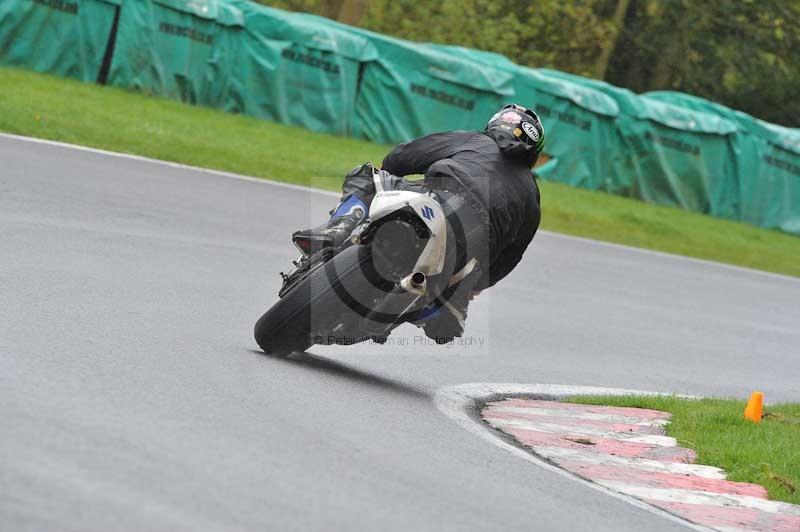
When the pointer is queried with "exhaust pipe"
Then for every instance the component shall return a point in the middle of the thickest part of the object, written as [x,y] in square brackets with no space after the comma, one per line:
[416,283]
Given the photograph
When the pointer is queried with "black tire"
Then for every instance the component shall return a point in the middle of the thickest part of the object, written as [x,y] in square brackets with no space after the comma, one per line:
[309,308]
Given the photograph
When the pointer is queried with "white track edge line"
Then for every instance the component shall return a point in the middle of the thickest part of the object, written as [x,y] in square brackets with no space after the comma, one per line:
[271,182]
[171,164]
[457,403]
[664,254]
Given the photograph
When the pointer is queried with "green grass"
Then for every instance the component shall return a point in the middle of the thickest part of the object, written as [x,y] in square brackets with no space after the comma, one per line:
[767,453]
[64,110]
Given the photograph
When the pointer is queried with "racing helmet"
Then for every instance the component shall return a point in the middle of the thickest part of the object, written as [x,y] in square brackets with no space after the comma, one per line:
[518,131]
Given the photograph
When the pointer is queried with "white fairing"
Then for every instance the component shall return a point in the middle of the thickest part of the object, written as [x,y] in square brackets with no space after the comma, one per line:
[431,260]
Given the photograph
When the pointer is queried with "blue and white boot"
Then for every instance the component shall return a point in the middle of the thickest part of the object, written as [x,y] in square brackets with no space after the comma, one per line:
[344,218]
[441,324]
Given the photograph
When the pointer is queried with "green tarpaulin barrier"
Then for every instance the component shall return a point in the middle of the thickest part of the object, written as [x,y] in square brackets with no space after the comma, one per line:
[298,70]
[181,49]
[579,122]
[674,156]
[61,37]
[412,90]
[767,164]
[772,192]
[479,56]
[665,147]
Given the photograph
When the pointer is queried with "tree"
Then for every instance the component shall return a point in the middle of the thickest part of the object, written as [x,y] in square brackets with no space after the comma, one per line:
[742,53]
[608,46]
[551,33]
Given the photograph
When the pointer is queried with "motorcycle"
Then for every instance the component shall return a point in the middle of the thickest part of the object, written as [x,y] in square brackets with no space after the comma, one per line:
[397,266]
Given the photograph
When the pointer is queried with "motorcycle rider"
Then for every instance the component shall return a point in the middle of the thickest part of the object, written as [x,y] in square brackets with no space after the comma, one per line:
[485,175]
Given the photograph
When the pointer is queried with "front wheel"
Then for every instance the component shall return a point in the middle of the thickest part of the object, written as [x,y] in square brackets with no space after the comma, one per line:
[313,311]
[269,340]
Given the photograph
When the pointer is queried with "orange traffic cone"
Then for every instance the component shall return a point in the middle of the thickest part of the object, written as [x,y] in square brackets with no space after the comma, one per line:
[754,407]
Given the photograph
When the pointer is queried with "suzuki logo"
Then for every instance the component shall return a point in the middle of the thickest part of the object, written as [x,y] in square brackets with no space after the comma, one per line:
[427,213]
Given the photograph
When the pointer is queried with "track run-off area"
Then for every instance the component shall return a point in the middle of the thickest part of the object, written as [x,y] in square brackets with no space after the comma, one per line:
[133,396]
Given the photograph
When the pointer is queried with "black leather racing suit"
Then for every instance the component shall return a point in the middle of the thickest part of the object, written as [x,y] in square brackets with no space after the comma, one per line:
[498,186]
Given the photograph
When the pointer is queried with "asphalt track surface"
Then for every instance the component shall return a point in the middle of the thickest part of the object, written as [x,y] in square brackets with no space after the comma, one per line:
[133,397]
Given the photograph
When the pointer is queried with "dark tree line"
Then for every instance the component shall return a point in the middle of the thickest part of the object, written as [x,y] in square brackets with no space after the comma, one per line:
[742,53]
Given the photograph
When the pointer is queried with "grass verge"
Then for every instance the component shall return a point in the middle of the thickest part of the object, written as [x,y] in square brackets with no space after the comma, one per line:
[64,110]
[767,453]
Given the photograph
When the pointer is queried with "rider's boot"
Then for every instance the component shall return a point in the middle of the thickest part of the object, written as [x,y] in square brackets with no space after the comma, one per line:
[444,324]
[444,320]
[344,218]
